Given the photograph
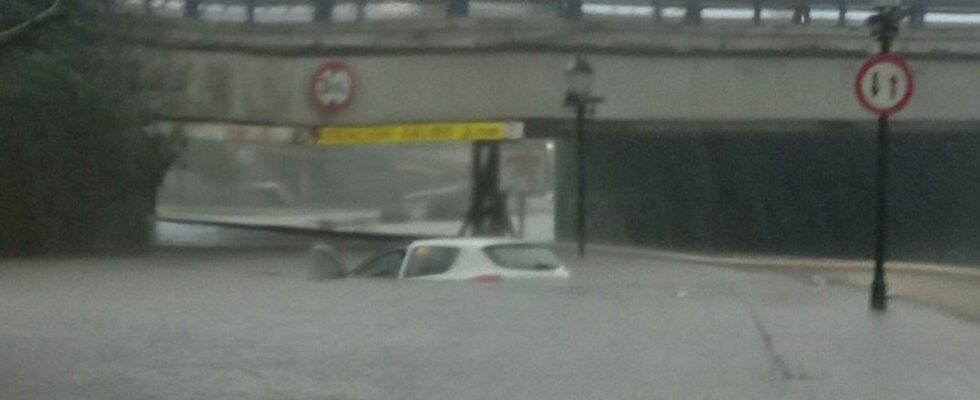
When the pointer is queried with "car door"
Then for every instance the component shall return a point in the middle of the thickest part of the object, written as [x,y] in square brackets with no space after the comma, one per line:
[430,261]
[384,265]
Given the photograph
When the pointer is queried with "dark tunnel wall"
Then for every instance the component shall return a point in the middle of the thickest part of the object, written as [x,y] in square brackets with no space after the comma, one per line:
[807,194]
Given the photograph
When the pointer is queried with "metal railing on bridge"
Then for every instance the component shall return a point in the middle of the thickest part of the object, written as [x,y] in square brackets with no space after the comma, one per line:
[922,13]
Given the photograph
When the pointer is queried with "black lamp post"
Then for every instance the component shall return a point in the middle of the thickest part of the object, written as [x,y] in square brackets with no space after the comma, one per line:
[580,77]
[884,28]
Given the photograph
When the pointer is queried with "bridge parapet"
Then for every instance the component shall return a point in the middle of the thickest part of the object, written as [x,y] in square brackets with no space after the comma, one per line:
[923,13]
[483,35]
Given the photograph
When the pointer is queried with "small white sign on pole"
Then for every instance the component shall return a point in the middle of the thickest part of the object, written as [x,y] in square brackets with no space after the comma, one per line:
[522,168]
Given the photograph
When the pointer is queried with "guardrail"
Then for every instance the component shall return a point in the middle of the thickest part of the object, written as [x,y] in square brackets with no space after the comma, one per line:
[922,13]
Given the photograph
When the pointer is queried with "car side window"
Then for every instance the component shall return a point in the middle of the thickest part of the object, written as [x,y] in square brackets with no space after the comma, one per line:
[383,266]
[523,256]
[430,260]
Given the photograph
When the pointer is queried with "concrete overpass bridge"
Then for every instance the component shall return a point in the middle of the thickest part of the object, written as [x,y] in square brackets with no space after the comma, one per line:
[511,69]
[727,136]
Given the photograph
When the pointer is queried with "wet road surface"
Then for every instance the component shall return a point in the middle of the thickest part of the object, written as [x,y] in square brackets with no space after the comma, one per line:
[246,324]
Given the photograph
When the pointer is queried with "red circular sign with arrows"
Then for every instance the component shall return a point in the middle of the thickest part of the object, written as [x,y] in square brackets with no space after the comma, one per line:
[884,84]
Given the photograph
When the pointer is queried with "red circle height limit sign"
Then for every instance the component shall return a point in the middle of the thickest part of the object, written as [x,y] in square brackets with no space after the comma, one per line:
[884,84]
[332,87]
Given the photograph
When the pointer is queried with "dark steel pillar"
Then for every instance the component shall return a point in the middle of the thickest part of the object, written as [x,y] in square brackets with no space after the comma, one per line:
[570,9]
[917,14]
[361,10]
[487,215]
[323,10]
[692,15]
[580,148]
[250,11]
[191,9]
[885,28]
[841,12]
[458,8]
[879,289]
[801,14]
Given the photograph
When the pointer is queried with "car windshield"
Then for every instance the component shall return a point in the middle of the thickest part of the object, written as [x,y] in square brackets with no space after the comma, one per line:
[383,266]
[523,256]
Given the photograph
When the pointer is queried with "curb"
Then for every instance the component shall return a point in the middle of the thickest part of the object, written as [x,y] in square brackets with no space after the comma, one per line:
[782,261]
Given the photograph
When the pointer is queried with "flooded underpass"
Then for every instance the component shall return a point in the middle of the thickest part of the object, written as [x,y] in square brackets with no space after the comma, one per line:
[244,322]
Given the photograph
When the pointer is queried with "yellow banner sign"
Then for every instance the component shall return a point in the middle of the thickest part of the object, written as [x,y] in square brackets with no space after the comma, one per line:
[408,133]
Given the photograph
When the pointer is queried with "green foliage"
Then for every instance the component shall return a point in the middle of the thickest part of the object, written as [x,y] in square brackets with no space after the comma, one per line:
[78,168]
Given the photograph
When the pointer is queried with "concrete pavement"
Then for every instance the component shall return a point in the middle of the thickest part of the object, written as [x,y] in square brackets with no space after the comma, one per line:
[951,288]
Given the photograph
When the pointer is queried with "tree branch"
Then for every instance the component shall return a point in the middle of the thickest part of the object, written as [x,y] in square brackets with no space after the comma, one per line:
[49,13]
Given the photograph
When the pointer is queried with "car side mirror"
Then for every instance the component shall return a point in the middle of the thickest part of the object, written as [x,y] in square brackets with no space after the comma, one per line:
[324,263]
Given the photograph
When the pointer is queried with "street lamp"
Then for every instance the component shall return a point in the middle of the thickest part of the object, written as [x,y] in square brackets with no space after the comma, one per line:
[580,77]
[884,28]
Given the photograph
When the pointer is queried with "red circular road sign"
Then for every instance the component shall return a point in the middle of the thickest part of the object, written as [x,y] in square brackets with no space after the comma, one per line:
[884,84]
[333,86]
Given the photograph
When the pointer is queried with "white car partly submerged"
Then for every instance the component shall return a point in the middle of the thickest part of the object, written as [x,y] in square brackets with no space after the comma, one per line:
[477,259]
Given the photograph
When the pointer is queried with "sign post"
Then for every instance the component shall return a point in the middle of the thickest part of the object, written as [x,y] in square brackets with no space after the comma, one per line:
[884,87]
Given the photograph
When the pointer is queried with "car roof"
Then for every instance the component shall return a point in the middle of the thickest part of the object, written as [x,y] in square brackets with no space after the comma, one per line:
[469,242]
